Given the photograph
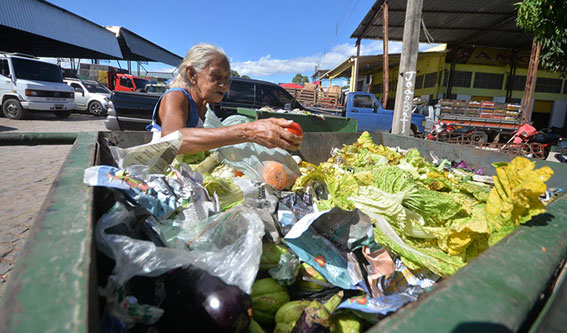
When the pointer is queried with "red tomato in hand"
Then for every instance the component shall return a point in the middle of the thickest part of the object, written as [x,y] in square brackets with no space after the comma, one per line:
[295,129]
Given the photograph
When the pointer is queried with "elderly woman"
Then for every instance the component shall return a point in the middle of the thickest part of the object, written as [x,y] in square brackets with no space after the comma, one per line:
[203,77]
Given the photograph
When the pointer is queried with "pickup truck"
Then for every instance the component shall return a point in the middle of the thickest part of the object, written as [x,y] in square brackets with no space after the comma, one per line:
[371,115]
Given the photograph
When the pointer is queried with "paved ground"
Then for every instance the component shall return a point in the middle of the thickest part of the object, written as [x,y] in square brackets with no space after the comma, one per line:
[27,175]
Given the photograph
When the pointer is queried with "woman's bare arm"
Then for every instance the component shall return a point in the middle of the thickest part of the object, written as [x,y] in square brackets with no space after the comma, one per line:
[270,132]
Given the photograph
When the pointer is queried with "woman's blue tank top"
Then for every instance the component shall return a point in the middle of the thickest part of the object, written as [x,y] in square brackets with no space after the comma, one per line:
[193,113]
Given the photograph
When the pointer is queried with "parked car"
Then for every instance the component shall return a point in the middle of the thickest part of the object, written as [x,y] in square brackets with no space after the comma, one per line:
[133,111]
[371,115]
[27,84]
[90,95]
[155,88]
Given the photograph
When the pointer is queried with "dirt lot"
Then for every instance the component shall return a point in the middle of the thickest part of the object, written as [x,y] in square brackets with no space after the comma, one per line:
[28,172]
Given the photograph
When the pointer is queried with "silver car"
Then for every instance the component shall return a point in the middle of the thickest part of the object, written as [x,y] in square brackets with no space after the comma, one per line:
[90,95]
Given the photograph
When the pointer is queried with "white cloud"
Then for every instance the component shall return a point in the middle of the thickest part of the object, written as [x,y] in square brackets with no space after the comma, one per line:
[268,66]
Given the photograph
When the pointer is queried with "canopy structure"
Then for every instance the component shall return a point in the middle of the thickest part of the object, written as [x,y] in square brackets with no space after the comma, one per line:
[45,30]
[135,47]
[455,22]
[42,29]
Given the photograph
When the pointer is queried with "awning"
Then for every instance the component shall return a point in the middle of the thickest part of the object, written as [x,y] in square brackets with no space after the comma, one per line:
[45,30]
[456,22]
[135,47]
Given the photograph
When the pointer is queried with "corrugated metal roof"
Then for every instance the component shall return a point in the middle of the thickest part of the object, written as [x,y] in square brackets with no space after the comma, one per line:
[135,47]
[480,22]
[43,29]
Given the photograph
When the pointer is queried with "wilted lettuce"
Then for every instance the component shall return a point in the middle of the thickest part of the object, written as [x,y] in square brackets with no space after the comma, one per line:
[515,196]
[228,193]
[429,216]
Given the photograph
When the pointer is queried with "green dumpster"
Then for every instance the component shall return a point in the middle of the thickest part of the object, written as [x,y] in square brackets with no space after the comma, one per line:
[518,284]
[308,122]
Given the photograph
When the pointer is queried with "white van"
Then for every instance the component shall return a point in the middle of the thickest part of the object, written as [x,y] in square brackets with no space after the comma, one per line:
[26,83]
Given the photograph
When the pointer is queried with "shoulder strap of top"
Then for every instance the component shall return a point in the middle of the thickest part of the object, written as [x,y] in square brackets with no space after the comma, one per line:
[193,113]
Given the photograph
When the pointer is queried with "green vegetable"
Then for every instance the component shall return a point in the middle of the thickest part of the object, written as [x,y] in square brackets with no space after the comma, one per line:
[228,193]
[308,272]
[267,297]
[288,314]
[346,323]
[271,254]
[427,215]
[317,317]
[515,196]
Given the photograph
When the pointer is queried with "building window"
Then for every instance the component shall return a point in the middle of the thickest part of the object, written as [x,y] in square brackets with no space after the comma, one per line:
[430,80]
[488,80]
[546,85]
[518,84]
[460,79]
[419,82]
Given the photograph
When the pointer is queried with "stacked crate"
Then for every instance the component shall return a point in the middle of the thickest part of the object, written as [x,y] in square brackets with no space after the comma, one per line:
[455,107]
[513,111]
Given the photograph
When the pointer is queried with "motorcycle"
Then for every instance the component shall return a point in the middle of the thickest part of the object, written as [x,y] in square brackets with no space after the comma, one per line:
[449,133]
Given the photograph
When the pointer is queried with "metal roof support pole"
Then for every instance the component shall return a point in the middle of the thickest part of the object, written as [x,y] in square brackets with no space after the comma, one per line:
[527,101]
[512,76]
[408,61]
[386,66]
[355,74]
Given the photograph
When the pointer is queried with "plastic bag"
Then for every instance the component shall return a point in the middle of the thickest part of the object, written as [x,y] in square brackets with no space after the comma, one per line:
[248,157]
[157,155]
[161,196]
[227,245]
[292,207]
[326,242]
[397,289]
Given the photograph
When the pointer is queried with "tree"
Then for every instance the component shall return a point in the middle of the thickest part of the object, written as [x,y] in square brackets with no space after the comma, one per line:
[235,74]
[300,79]
[546,20]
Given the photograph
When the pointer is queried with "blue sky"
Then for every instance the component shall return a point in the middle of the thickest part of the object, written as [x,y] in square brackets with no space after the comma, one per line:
[267,40]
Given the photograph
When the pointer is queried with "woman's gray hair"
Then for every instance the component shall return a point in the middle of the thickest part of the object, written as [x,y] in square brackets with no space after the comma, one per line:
[198,57]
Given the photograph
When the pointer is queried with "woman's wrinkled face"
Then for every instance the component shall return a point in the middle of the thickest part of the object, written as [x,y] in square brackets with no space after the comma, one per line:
[213,81]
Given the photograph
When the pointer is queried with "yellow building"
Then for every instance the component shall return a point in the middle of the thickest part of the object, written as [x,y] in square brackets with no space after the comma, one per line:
[479,74]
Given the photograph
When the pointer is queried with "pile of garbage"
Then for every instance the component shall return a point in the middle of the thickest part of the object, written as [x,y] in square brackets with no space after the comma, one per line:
[245,238]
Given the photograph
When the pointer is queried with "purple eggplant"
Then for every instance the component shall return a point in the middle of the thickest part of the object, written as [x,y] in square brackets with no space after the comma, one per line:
[197,301]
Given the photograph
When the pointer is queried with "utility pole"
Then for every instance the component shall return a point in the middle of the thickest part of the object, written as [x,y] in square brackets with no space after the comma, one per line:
[527,101]
[406,80]
[386,64]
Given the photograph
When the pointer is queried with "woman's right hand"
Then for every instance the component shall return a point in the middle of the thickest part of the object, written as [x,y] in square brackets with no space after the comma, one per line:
[271,133]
